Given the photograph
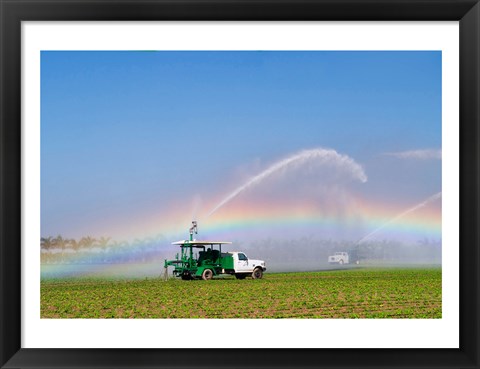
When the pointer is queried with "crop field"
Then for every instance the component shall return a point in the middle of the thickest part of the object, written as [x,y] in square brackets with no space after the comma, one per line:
[352,293]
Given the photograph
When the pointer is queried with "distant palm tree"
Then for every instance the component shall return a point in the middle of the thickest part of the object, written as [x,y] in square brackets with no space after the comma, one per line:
[74,244]
[87,242]
[102,242]
[46,243]
[59,242]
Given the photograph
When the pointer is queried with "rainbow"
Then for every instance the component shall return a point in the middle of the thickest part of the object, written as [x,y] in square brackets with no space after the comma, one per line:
[247,216]
[360,217]
[246,221]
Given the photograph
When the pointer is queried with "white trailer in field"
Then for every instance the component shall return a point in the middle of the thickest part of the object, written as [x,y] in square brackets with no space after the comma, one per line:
[339,258]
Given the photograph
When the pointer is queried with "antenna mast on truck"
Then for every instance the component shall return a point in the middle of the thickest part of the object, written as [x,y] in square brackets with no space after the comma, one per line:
[193,228]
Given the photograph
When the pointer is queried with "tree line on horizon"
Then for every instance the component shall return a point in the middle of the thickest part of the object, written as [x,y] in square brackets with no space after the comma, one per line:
[57,250]
[99,250]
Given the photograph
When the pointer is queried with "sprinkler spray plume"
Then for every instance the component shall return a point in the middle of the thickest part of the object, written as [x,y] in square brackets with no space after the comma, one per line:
[320,155]
[401,215]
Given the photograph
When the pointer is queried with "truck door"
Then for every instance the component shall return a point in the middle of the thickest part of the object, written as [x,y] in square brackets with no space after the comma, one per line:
[242,263]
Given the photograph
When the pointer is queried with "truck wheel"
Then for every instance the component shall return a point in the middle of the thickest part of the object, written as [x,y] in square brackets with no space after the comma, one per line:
[340,262]
[257,273]
[207,274]
[240,276]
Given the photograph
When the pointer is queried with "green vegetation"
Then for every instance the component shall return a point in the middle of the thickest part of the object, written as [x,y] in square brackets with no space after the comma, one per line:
[354,293]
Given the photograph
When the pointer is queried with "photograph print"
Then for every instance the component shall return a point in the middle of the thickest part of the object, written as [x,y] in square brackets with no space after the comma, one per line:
[241,184]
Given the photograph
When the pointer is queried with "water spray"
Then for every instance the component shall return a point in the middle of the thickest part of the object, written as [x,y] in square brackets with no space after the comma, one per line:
[324,156]
[196,203]
[401,215]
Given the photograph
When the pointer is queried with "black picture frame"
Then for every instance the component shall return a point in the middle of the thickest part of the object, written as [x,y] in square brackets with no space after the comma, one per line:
[13,12]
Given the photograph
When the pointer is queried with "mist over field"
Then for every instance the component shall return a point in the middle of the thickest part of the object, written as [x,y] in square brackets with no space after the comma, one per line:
[281,255]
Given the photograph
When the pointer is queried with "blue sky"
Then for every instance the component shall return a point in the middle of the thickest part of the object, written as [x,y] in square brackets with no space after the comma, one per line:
[127,132]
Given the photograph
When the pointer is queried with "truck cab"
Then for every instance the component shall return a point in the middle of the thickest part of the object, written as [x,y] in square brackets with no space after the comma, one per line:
[241,266]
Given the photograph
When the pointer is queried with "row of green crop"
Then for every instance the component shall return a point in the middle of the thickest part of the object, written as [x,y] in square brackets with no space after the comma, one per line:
[409,293]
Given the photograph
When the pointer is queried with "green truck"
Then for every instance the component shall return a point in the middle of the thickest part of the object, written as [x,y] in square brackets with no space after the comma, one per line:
[205,259]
